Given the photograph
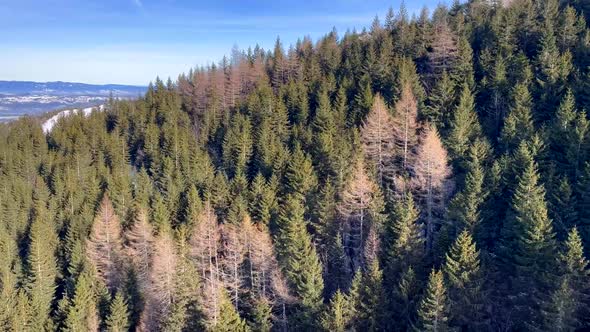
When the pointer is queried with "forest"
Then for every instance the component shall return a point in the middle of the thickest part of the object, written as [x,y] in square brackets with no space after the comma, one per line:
[429,173]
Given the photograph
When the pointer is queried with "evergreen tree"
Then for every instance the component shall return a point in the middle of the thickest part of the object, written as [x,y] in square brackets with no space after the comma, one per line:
[229,320]
[464,209]
[405,299]
[463,272]
[118,318]
[300,176]
[337,316]
[465,127]
[262,316]
[518,125]
[407,240]
[569,137]
[562,208]
[528,245]
[434,311]
[441,102]
[83,312]
[300,262]
[372,299]
[569,302]
[41,262]
[237,144]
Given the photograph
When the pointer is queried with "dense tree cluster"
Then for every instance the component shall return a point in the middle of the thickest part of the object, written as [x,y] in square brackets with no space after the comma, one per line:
[431,173]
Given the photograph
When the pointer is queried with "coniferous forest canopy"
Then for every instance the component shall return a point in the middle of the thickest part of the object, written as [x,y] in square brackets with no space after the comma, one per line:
[431,173]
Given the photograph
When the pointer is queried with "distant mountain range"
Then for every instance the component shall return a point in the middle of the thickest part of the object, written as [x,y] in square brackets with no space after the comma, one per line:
[23,97]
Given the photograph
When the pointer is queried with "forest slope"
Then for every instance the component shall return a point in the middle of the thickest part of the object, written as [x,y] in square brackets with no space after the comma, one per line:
[431,173]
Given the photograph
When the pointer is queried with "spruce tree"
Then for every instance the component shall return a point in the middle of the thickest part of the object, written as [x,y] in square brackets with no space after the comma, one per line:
[405,299]
[569,303]
[118,318]
[518,125]
[434,309]
[300,262]
[229,320]
[441,102]
[41,262]
[336,316]
[464,209]
[569,137]
[528,246]
[464,126]
[407,239]
[372,299]
[463,272]
[83,312]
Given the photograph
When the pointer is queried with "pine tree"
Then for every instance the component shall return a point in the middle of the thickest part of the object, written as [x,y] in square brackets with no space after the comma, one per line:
[336,316]
[518,125]
[463,272]
[300,175]
[528,245]
[441,102]
[434,311]
[300,262]
[465,127]
[464,208]
[41,262]
[569,302]
[407,240]
[118,319]
[372,300]
[229,319]
[83,312]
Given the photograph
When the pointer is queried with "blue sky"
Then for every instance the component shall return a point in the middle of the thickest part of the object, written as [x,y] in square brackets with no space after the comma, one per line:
[133,41]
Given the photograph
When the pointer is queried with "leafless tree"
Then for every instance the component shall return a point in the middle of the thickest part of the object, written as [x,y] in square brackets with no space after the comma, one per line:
[139,248]
[406,125]
[232,246]
[356,200]
[104,246]
[377,136]
[204,244]
[444,48]
[160,291]
[431,179]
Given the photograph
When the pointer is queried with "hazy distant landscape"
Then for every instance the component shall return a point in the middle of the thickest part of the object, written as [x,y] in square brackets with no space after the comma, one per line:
[22,97]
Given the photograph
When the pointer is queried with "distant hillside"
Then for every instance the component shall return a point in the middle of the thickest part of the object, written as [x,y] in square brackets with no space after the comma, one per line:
[23,97]
[67,88]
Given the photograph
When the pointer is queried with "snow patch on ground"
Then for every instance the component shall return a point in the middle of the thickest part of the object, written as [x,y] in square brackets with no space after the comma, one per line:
[51,122]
